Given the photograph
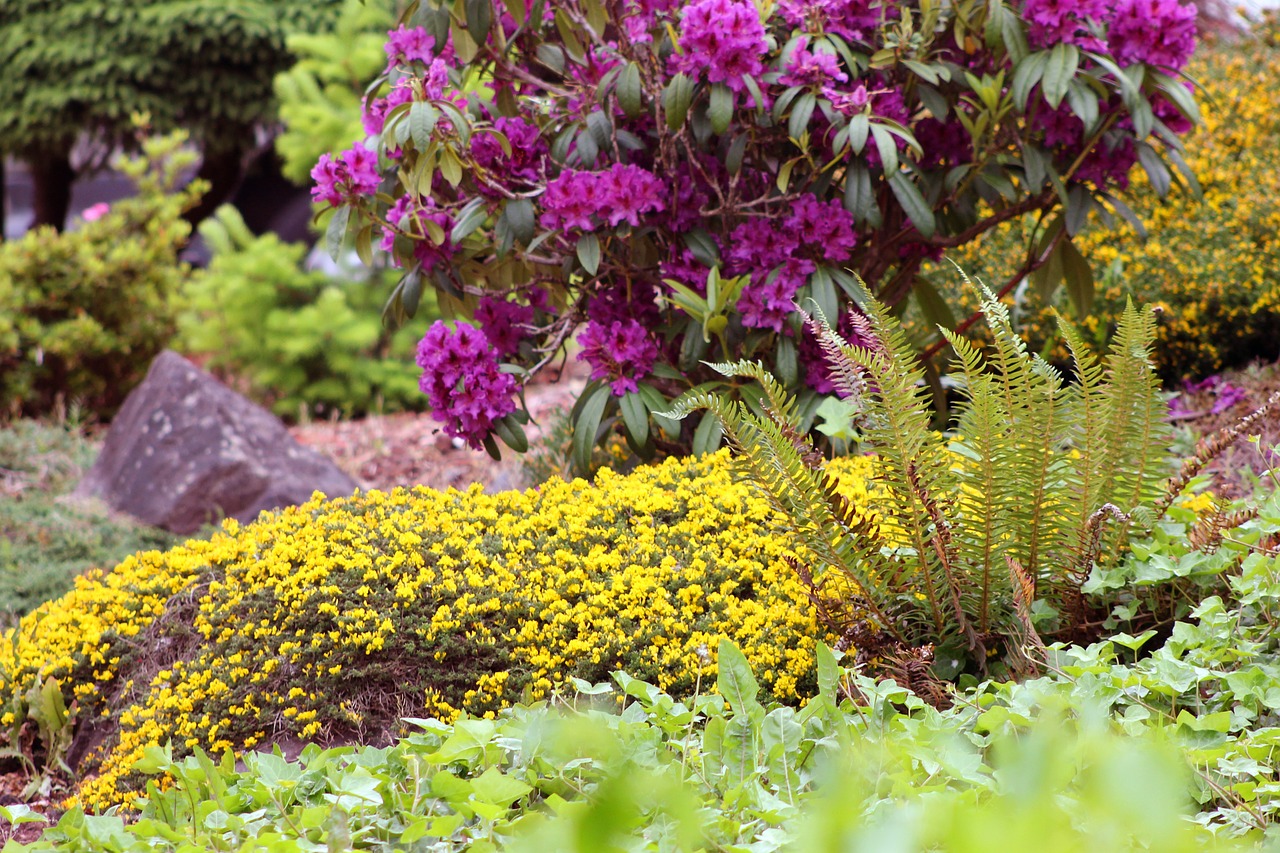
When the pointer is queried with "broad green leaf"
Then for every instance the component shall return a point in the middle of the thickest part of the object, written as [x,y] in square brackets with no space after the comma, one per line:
[720,111]
[676,99]
[635,416]
[588,251]
[1059,71]
[587,425]
[736,682]
[628,90]
[336,232]
[913,204]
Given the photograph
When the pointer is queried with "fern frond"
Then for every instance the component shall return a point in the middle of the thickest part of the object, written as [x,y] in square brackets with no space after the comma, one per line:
[1085,433]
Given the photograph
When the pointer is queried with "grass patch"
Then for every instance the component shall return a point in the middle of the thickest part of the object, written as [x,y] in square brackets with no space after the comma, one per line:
[45,538]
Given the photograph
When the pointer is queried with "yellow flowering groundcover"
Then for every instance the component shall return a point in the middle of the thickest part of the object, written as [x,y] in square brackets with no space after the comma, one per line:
[331,620]
[1213,264]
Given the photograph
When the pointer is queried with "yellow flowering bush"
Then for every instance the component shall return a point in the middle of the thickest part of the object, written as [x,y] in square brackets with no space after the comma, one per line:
[1213,265]
[333,619]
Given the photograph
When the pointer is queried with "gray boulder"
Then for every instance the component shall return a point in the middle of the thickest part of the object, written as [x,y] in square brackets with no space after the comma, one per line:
[185,450]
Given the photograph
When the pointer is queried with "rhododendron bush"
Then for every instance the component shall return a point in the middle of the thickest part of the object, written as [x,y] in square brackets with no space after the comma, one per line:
[666,180]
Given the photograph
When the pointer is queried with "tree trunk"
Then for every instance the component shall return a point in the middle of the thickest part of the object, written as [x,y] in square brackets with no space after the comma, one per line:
[51,179]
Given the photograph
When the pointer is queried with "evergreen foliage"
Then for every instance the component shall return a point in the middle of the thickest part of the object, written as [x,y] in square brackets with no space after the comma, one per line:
[83,313]
[983,541]
[302,341]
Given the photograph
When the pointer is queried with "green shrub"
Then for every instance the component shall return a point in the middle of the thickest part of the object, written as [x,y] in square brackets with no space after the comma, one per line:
[301,341]
[83,313]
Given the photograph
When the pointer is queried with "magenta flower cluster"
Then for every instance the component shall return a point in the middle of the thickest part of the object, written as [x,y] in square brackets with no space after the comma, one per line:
[812,68]
[466,389]
[409,44]
[1157,32]
[583,200]
[854,20]
[780,254]
[723,39]
[620,352]
[1050,22]
[353,174]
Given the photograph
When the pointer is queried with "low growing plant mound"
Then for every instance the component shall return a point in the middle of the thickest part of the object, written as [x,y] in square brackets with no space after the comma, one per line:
[331,620]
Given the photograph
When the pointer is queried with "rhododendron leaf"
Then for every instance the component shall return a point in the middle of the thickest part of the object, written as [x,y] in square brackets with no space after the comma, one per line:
[702,246]
[1059,71]
[786,361]
[479,18]
[471,217]
[464,46]
[596,16]
[511,433]
[706,438]
[733,160]
[1035,166]
[635,416]
[629,91]
[1193,183]
[588,251]
[933,307]
[586,149]
[823,291]
[1156,170]
[519,215]
[552,56]
[1079,204]
[784,100]
[859,199]
[364,244]
[801,112]
[656,403]
[517,10]
[569,36]
[1026,74]
[1078,276]
[721,109]
[586,426]
[859,128]
[335,234]
[1084,103]
[931,73]
[676,99]
[784,174]
[913,204]
[887,147]
[422,122]
[934,102]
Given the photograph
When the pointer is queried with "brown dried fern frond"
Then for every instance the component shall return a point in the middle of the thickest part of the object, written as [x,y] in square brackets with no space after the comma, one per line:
[1209,448]
[1207,533]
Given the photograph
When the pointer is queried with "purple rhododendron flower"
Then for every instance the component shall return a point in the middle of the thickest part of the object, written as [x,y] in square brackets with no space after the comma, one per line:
[724,39]
[375,115]
[354,173]
[528,151]
[618,194]
[405,45]
[765,305]
[1157,32]
[1050,22]
[464,385]
[850,19]
[621,353]
[501,320]
[810,68]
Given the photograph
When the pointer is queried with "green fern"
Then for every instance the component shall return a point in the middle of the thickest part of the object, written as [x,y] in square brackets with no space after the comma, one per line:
[976,533]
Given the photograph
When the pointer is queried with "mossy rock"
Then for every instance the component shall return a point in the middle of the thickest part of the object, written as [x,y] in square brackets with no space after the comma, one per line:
[333,620]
